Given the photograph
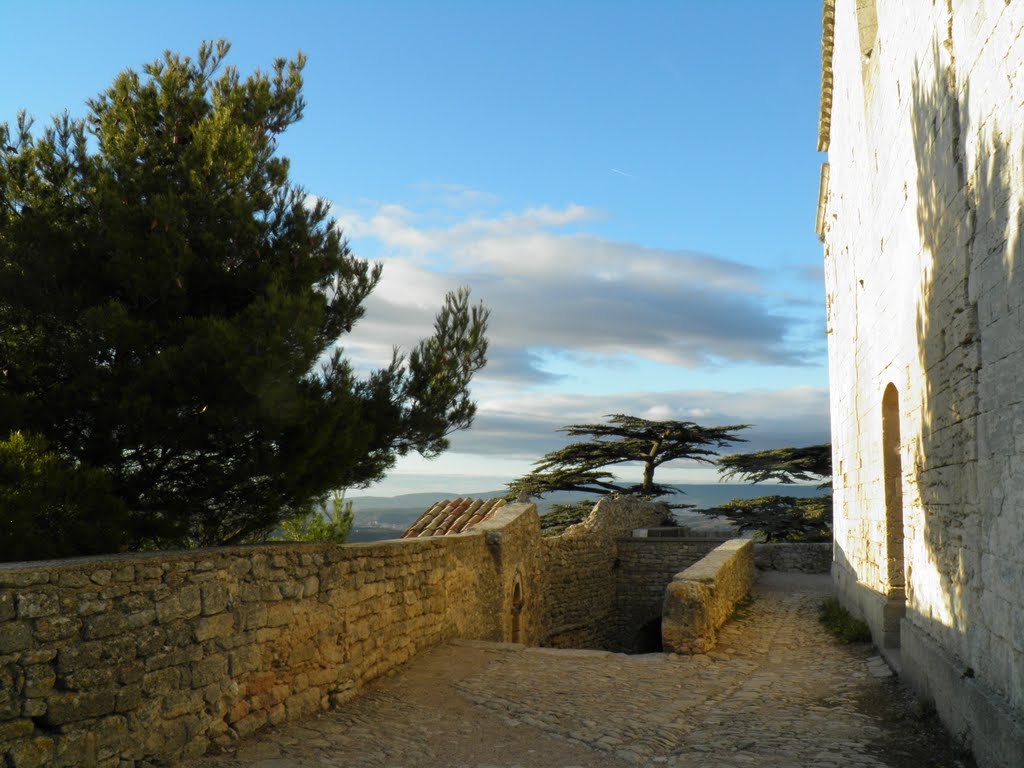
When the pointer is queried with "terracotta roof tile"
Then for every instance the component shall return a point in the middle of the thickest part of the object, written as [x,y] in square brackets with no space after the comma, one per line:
[451,517]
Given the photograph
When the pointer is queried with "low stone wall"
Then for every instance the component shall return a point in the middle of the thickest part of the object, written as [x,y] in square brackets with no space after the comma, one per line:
[700,599]
[806,558]
[151,658]
[579,591]
[646,567]
[581,569]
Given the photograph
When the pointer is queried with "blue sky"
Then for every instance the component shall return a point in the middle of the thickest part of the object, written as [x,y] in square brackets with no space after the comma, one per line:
[630,187]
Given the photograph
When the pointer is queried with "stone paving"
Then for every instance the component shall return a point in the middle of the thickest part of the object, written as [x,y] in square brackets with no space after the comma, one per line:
[776,693]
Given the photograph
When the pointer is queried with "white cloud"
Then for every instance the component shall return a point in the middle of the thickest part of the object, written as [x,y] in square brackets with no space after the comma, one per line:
[513,432]
[526,425]
[563,299]
[572,293]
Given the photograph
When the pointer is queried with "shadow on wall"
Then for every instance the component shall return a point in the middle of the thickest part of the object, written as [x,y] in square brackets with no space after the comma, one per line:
[971,228]
[969,221]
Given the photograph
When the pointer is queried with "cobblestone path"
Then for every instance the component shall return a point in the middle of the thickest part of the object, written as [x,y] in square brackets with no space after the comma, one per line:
[777,693]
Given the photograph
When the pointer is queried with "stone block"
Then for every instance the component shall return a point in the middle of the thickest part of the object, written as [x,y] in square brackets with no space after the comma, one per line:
[280,614]
[215,599]
[303,704]
[14,636]
[70,707]
[212,627]
[56,628]
[12,682]
[33,708]
[36,656]
[185,603]
[104,625]
[209,671]
[39,680]
[32,753]
[128,699]
[86,678]
[178,703]
[23,578]
[90,603]
[176,657]
[252,617]
[155,683]
[15,730]
[242,660]
[95,654]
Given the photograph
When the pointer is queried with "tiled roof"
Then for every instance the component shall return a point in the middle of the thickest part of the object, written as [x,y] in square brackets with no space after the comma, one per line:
[828,23]
[452,517]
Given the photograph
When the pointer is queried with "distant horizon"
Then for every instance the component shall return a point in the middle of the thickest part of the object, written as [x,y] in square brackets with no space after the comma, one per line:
[366,495]
[641,225]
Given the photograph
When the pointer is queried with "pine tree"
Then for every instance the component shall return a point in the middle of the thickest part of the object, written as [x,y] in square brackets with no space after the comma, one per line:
[624,439]
[781,518]
[171,304]
[783,465]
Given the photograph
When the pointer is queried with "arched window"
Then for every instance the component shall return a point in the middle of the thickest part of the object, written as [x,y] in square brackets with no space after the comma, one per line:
[893,469]
[517,611]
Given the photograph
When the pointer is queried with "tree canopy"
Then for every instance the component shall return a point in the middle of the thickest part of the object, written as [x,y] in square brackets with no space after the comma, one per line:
[781,518]
[170,310]
[783,465]
[624,439]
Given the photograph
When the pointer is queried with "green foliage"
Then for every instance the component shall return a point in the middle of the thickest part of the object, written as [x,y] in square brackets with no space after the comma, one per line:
[171,304]
[624,439]
[561,516]
[780,518]
[841,624]
[313,526]
[783,465]
[49,508]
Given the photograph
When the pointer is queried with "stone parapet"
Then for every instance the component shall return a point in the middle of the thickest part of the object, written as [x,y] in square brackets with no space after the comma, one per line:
[585,574]
[806,558]
[152,658]
[700,599]
[646,567]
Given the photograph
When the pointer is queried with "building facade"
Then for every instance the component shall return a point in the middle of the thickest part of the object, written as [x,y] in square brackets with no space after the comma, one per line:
[921,211]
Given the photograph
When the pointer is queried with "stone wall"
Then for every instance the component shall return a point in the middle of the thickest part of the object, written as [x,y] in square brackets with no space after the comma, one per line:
[701,599]
[805,558]
[646,567]
[579,592]
[924,263]
[148,659]
[581,573]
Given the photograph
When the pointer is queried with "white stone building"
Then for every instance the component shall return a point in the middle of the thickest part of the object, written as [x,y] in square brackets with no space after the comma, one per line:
[922,214]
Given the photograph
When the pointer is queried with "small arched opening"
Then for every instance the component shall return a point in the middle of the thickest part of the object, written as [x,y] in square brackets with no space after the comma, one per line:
[517,611]
[648,637]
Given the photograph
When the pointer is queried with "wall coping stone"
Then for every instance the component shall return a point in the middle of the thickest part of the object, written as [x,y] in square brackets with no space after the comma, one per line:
[700,599]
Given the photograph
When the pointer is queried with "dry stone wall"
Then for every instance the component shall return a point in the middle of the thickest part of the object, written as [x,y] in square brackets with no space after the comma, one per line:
[581,574]
[702,598]
[579,592]
[148,659]
[924,263]
[806,558]
[646,567]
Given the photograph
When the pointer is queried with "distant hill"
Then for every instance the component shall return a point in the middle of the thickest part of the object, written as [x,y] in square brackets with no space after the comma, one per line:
[402,510]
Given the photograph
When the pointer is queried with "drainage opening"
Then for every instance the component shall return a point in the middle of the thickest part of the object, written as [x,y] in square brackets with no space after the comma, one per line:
[648,638]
